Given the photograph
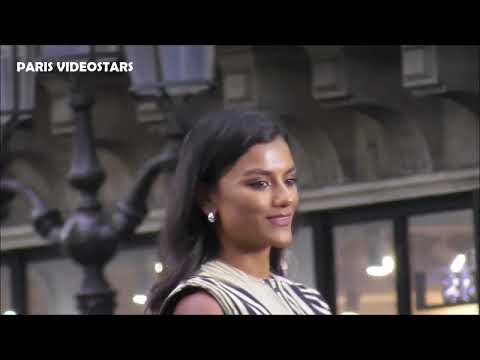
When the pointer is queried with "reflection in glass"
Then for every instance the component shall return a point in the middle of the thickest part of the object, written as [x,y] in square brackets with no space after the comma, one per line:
[443,263]
[299,257]
[5,304]
[54,284]
[365,268]
[132,273]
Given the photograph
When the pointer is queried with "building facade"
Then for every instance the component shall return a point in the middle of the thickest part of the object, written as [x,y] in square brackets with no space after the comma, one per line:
[386,142]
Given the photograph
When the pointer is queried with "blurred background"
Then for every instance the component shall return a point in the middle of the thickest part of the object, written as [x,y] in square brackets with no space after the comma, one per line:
[386,141]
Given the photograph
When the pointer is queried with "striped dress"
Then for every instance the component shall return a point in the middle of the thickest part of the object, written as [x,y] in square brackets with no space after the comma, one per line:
[239,293]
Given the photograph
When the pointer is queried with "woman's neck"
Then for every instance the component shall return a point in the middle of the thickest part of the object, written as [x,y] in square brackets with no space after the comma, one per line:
[256,264]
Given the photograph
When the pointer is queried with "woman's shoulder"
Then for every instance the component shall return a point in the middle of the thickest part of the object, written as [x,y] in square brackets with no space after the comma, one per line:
[199,302]
[197,293]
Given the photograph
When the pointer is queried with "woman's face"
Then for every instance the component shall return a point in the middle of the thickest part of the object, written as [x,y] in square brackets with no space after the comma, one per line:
[257,198]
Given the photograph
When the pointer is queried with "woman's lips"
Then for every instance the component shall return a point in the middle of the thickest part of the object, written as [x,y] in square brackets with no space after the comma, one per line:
[281,221]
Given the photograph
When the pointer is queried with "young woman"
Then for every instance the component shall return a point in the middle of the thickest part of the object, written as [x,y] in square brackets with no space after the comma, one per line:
[229,216]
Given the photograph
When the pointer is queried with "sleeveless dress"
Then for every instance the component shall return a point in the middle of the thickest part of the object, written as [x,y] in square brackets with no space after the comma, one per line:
[239,293]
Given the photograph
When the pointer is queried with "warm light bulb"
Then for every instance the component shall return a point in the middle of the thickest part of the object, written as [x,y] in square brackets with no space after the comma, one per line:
[388,264]
[458,263]
[158,267]
[139,299]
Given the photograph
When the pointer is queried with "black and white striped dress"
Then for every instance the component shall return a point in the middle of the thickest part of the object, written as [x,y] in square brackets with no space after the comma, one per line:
[239,293]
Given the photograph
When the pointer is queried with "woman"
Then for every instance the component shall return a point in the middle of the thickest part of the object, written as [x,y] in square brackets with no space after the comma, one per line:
[229,216]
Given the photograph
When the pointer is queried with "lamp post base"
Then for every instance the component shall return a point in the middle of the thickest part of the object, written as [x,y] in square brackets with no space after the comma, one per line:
[96,303]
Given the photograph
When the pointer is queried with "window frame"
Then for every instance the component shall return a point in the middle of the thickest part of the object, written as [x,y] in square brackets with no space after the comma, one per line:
[17,260]
[324,222]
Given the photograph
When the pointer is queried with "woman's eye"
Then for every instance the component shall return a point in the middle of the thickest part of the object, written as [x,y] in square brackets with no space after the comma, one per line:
[292,181]
[259,184]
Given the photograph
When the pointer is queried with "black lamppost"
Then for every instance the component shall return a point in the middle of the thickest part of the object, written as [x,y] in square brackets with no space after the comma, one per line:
[171,70]
[88,236]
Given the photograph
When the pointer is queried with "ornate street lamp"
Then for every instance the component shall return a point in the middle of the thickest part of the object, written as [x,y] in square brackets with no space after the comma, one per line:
[170,75]
[90,239]
[171,70]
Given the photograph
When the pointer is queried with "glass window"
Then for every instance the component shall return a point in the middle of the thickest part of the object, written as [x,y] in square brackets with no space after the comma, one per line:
[5,296]
[443,263]
[132,273]
[52,287]
[365,263]
[53,284]
[299,257]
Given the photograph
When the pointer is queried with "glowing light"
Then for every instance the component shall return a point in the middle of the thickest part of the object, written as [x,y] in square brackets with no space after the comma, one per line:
[158,267]
[452,291]
[9,312]
[348,313]
[458,263]
[388,264]
[139,299]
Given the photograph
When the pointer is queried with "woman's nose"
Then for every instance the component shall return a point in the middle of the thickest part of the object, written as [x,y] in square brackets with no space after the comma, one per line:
[284,196]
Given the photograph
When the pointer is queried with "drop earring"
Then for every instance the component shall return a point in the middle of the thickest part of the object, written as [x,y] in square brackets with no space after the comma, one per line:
[211,217]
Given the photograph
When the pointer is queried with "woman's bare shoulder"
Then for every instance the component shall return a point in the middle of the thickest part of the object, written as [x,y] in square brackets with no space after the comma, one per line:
[198,303]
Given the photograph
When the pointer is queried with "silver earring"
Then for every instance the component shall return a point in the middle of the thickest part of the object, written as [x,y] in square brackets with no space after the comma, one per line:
[211,217]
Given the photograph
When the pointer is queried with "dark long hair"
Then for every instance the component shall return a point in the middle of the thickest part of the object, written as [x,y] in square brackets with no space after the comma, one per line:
[208,151]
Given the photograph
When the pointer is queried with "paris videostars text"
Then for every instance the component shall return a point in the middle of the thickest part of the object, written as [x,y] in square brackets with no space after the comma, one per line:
[77,66]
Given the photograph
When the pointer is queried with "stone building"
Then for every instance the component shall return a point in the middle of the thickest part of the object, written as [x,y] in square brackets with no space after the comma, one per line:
[386,141]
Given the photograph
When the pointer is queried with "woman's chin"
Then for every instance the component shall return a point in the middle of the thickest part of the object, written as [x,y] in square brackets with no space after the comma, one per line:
[281,242]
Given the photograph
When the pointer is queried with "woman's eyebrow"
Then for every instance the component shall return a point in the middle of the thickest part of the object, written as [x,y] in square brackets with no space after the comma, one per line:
[266,172]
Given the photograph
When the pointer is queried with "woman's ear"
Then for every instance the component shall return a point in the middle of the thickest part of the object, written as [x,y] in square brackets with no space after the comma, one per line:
[205,198]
